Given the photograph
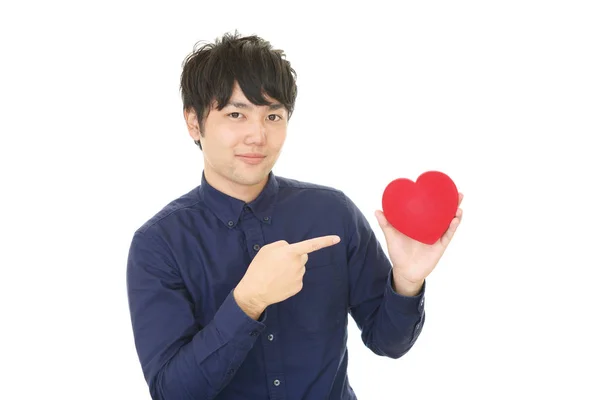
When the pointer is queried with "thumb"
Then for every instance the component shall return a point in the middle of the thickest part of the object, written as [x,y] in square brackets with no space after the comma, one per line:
[385,226]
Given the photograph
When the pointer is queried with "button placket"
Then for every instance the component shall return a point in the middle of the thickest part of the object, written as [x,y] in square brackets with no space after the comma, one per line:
[254,238]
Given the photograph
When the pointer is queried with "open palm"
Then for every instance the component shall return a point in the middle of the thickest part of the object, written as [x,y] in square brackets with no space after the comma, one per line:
[410,258]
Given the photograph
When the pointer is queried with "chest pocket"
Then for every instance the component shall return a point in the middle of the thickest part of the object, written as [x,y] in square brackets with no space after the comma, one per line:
[321,304]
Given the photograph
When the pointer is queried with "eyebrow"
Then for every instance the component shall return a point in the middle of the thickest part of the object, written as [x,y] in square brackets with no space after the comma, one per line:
[240,104]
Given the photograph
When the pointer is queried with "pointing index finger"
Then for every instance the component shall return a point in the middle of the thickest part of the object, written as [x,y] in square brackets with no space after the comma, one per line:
[314,244]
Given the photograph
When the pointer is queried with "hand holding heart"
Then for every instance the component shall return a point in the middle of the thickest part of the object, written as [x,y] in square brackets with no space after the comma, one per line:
[422,218]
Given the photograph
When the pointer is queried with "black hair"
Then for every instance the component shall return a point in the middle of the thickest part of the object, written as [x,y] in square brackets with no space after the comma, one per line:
[210,71]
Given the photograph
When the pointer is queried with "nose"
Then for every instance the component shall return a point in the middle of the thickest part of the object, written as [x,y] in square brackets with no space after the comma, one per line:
[257,133]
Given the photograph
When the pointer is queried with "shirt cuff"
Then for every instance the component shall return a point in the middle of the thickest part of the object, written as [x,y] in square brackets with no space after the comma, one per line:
[235,325]
[405,304]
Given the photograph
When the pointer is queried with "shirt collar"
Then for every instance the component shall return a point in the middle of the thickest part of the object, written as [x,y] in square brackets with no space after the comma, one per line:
[229,209]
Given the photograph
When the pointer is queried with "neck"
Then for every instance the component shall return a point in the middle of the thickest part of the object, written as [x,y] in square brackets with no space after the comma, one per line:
[245,193]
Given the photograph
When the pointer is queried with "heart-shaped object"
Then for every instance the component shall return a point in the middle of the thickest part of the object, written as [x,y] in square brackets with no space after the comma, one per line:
[421,210]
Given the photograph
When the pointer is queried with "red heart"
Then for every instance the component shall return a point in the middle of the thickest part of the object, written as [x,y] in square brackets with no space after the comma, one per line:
[421,210]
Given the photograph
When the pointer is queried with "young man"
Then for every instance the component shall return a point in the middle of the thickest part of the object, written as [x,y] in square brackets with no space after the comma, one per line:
[242,288]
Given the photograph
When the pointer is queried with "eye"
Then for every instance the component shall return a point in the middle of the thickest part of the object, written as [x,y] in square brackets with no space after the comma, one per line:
[234,115]
[274,115]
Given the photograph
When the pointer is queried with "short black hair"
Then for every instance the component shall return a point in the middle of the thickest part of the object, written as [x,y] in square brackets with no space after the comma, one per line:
[211,70]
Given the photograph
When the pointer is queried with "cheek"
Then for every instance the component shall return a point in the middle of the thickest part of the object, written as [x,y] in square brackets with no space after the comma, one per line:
[233,134]
[225,137]
[276,139]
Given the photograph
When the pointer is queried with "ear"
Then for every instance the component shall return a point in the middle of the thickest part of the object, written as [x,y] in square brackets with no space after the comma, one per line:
[191,121]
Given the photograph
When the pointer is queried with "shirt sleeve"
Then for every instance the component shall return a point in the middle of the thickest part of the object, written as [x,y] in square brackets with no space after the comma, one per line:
[181,359]
[390,323]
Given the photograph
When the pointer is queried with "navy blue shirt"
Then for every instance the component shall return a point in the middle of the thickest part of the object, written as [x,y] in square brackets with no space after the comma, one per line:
[195,342]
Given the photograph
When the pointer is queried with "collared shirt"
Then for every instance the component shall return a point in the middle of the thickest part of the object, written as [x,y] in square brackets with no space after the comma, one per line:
[195,342]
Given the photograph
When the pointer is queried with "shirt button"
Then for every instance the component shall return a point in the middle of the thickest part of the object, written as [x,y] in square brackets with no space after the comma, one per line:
[246,208]
[265,218]
[270,337]
[230,223]
[256,247]
[276,382]
[418,326]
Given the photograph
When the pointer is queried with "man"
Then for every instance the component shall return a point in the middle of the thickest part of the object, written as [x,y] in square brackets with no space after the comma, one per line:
[242,288]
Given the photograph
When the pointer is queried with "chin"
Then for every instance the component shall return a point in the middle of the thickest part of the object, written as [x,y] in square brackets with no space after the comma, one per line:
[251,179]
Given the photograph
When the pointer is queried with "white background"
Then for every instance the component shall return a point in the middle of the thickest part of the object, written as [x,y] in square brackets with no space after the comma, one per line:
[502,96]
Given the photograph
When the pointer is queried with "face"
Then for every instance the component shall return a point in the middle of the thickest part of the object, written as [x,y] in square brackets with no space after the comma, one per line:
[242,142]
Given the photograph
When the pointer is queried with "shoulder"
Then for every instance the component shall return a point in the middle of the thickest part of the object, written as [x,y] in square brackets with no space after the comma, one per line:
[185,203]
[317,195]
[304,190]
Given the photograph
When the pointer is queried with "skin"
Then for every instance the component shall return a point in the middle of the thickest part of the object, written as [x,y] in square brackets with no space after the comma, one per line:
[239,130]
[242,128]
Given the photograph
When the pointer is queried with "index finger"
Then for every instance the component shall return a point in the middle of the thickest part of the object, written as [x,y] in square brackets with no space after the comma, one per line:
[314,244]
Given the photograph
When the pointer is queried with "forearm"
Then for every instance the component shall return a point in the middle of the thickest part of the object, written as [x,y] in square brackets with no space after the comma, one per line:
[181,358]
[398,322]
[205,365]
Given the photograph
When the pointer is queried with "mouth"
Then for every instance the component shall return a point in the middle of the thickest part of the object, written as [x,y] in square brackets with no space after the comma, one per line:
[252,159]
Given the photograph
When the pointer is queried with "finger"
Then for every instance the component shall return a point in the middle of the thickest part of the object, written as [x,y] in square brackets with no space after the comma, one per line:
[460,198]
[459,213]
[447,237]
[310,245]
[304,258]
[383,222]
[381,219]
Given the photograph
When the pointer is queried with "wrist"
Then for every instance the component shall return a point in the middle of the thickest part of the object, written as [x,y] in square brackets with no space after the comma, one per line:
[248,302]
[404,286]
